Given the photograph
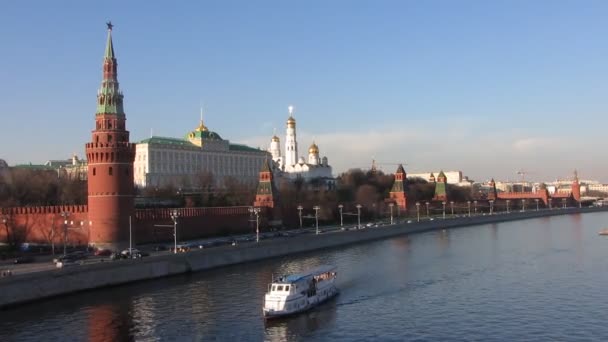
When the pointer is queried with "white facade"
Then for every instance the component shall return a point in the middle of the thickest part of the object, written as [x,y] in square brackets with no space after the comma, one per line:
[294,166]
[452,177]
[161,161]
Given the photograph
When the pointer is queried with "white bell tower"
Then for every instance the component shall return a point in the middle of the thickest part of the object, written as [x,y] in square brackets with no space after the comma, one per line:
[291,146]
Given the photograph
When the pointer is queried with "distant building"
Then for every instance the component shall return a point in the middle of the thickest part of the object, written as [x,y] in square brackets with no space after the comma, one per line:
[294,167]
[452,177]
[162,161]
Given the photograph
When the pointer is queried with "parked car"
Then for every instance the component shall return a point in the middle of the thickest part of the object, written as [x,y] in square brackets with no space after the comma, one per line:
[103,252]
[24,259]
[77,255]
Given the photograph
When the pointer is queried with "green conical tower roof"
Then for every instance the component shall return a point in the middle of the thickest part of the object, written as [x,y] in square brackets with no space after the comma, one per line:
[109,96]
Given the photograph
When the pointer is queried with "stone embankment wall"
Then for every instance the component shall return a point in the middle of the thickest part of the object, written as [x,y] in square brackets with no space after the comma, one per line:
[34,286]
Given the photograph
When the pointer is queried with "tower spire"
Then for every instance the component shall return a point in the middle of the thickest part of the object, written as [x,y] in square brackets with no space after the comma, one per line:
[109,46]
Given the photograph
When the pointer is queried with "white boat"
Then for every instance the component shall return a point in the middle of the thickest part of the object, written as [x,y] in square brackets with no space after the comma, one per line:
[297,293]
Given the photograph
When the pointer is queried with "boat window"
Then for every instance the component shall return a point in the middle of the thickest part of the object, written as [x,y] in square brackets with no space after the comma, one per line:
[280,288]
[274,288]
[287,288]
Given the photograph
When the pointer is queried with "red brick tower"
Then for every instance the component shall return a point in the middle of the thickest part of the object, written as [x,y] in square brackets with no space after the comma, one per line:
[576,188]
[441,188]
[110,158]
[397,194]
[266,196]
[432,178]
[492,191]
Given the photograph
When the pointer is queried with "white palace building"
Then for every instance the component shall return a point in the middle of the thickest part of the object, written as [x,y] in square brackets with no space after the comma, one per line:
[292,166]
[162,161]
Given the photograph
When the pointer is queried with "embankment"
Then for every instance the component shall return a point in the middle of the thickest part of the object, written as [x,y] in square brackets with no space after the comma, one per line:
[33,286]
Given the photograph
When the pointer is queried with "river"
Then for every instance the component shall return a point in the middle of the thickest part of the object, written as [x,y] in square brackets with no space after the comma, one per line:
[535,280]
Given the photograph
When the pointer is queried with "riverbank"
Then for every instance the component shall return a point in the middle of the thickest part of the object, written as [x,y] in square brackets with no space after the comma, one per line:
[34,286]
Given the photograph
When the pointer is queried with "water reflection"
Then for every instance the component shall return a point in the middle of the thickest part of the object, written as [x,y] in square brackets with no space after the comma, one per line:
[464,284]
[295,327]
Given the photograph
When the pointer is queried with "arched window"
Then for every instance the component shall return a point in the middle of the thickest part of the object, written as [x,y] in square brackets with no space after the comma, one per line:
[110,170]
[94,171]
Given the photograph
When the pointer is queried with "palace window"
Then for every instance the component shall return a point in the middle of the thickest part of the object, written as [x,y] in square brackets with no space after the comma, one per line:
[110,171]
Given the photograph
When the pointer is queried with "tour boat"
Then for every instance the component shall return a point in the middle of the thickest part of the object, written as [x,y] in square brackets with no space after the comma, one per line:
[299,292]
[603,232]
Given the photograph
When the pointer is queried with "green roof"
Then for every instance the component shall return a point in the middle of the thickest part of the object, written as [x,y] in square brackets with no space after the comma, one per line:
[239,147]
[34,166]
[167,141]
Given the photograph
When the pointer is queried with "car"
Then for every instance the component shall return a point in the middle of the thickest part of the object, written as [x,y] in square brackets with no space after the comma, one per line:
[160,248]
[103,252]
[409,221]
[133,253]
[68,263]
[77,255]
[24,259]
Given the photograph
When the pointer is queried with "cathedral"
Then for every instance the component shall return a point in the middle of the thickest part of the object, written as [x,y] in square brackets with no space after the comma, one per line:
[292,166]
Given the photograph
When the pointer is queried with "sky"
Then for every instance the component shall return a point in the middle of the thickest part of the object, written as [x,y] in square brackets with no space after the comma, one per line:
[485,87]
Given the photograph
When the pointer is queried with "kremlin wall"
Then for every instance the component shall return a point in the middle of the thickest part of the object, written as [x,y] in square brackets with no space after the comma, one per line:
[105,222]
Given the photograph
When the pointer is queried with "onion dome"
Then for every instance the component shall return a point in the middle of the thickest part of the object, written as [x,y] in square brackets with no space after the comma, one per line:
[291,121]
[275,139]
[301,161]
[201,127]
[314,149]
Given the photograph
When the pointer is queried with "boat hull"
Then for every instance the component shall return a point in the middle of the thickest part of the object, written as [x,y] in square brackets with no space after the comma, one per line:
[275,314]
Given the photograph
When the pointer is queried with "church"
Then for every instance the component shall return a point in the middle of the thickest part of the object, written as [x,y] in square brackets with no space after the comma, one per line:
[293,167]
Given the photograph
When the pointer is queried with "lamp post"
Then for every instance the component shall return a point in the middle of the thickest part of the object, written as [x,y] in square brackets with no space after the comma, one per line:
[391,205]
[418,210]
[256,212]
[452,207]
[358,216]
[340,206]
[174,216]
[65,216]
[475,205]
[443,209]
[523,205]
[550,203]
[8,240]
[427,210]
[508,206]
[469,204]
[300,214]
[316,208]
[491,207]
[536,200]
[564,202]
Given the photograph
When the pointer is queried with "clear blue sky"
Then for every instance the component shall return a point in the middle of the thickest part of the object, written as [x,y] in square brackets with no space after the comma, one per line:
[486,87]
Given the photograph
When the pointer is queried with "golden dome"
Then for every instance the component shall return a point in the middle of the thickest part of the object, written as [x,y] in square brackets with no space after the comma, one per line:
[313,148]
[291,121]
[201,127]
[275,138]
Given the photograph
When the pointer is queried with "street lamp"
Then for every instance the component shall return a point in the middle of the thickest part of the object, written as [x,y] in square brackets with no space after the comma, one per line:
[300,214]
[427,210]
[65,216]
[469,204]
[418,210]
[523,205]
[174,216]
[508,206]
[475,204]
[536,200]
[443,209]
[316,208]
[491,206]
[452,206]
[340,206]
[391,205]
[358,216]
[256,211]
